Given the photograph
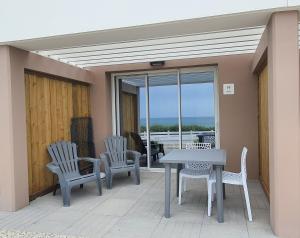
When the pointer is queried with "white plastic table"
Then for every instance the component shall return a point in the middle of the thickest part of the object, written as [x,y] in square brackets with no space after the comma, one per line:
[216,157]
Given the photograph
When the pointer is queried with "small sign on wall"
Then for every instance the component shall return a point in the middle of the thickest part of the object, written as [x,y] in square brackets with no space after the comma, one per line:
[228,88]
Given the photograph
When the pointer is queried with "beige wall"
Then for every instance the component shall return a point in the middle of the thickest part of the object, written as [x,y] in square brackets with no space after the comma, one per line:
[14,169]
[280,49]
[238,113]
[283,61]
[101,109]
[7,191]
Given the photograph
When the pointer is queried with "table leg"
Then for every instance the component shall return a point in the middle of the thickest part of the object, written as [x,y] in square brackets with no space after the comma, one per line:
[167,189]
[219,190]
[224,191]
[179,167]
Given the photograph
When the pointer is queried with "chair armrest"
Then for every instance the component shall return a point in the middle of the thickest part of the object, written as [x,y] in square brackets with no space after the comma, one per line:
[131,154]
[92,160]
[96,162]
[53,168]
[56,170]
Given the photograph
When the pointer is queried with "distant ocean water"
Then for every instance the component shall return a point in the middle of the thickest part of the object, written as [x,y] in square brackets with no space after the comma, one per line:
[170,121]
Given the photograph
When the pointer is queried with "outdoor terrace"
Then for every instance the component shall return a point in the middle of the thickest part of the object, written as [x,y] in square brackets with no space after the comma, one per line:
[130,211]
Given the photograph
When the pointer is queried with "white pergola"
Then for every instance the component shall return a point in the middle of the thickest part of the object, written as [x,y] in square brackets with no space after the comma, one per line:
[201,37]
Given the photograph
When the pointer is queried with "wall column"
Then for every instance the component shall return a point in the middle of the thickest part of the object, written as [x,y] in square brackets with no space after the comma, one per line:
[9,199]
[101,109]
[284,118]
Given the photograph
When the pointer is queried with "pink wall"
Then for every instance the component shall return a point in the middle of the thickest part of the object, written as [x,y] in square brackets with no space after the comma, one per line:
[238,113]
[14,169]
[280,49]
[284,118]
[7,181]
[101,108]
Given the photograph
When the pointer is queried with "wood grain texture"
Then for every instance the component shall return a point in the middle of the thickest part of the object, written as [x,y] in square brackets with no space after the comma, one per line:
[129,117]
[50,105]
[81,104]
[264,130]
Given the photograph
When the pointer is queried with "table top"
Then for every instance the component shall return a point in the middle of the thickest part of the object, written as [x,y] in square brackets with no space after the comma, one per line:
[213,156]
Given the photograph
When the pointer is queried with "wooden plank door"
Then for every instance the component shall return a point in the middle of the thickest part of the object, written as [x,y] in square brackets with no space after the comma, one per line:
[129,117]
[264,130]
[50,105]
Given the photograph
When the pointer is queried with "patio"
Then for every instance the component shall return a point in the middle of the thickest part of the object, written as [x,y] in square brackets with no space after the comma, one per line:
[128,210]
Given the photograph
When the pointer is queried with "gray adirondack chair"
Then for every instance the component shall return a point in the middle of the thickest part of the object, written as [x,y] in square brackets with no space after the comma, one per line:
[65,165]
[118,159]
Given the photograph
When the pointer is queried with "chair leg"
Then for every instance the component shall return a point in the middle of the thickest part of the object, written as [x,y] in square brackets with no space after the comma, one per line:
[55,188]
[135,177]
[137,174]
[99,185]
[180,189]
[108,180]
[67,196]
[213,191]
[63,193]
[246,193]
[185,184]
[209,197]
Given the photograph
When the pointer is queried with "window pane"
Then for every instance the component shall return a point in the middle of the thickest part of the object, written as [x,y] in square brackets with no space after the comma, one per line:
[197,105]
[163,102]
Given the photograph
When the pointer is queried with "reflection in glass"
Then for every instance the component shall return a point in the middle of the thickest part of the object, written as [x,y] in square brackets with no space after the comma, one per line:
[197,108]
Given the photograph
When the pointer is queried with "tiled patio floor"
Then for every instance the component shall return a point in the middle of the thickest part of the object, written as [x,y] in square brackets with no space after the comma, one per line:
[133,211]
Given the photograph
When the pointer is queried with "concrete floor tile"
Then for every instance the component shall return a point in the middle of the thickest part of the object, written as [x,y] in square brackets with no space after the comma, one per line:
[224,230]
[136,211]
[114,207]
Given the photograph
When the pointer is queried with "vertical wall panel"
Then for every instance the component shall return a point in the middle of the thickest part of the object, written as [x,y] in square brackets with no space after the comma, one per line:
[129,117]
[81,95]
[50,105]
[264,130]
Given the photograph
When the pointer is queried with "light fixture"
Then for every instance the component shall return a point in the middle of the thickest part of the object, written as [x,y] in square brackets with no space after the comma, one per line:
[157,63]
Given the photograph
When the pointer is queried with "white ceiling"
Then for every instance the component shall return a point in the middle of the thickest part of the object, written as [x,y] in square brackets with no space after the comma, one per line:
[187,46]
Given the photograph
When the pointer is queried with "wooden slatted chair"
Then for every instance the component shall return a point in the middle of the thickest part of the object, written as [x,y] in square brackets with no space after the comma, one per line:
[118,159]
[65,165]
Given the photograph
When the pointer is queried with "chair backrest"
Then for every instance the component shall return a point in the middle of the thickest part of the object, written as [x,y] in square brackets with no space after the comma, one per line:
[244,163]
[198,165]
[116,147]
[197,145]
[139,144]
[64,155]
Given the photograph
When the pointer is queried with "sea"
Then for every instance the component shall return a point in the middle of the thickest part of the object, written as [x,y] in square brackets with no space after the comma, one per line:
[170,121]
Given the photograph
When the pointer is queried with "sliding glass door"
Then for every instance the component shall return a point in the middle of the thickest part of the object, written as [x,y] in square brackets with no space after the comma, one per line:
[163,115]
[198,108]
[159,111]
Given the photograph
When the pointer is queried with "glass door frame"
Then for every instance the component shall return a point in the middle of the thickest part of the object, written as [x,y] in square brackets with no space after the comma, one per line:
[115,90]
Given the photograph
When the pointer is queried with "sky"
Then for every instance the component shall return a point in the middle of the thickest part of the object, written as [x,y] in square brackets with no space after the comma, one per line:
[35,18]
[197,101]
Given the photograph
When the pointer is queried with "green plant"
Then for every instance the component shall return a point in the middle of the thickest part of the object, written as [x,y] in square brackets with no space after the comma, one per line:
[174,128]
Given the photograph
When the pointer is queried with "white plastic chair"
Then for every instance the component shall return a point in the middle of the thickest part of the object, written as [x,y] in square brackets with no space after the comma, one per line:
[194,170]
[232,178]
